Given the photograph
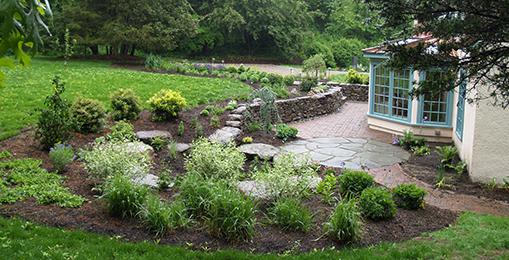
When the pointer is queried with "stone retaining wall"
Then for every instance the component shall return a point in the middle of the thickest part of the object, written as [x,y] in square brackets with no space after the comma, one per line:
[353,92]
[304,107]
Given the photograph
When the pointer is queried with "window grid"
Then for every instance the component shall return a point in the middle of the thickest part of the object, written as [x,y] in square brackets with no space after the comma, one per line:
[461,111]
[435,107]
[382,91]
[400,97]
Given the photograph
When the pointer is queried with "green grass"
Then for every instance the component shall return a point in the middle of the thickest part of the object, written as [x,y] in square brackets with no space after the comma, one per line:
[95,79]
[475,237]
[341,78]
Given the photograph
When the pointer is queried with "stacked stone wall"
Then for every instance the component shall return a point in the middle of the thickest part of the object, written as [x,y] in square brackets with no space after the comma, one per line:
[300,108]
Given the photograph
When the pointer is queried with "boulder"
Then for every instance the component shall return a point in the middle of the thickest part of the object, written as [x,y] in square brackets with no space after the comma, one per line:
[145,136]
[239,110]
[259,150]
[141,147]
[225,134]
[181,147]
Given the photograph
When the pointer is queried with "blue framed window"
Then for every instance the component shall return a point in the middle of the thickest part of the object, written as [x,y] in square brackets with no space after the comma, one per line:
[437,108]
[461,108]
[389,93]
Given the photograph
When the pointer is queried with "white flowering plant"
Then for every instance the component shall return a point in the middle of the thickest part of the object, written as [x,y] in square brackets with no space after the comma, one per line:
[106,160]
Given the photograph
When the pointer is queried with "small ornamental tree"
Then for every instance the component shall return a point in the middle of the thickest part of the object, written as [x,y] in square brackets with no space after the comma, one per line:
[268,107]
[56,122]
[315,64]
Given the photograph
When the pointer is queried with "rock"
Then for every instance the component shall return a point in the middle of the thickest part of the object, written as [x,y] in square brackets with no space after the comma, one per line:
[259,150]
[239,110]
[252,189]
[234,117]
[145,136]
[141,147]
[233,123]
[150,180]
[225,134]
[181,147]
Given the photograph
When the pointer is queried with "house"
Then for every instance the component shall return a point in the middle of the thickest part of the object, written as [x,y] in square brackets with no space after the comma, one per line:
[479,130]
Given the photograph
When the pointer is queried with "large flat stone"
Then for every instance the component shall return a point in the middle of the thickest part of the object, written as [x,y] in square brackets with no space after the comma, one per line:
[338,152]
[331,140]
[262,151]
[181,147]
[295,148]
[239,110]
[233,123]
[234,117]
[381,159]
[225,134]
[145,136]
[141,147]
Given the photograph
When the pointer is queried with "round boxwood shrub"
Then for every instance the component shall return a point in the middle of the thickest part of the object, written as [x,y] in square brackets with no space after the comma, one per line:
[254,78]
[354,182]
[265,80]
[125,105]
[409,196]
[377,203]
[232,69]
[89,113]
[165,104]
[243,76]
[275,78]
[289,79]
[353,77]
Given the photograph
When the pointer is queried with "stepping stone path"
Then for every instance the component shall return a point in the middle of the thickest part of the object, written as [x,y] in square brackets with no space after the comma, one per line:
[259,150]
[352,153]
[145,136]
[235,117]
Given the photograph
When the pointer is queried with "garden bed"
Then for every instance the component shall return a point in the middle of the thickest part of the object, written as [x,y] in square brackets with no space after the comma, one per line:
[424,168]
[92,216]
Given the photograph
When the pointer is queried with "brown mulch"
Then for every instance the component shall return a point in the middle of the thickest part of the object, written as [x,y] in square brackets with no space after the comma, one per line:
[92,217]
[424,168]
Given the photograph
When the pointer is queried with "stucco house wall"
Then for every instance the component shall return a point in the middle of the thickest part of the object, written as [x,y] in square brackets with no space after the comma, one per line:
[485,144]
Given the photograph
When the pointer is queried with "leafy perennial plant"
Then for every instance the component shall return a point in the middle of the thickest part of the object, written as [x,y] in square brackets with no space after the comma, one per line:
[61,155]
[106,160]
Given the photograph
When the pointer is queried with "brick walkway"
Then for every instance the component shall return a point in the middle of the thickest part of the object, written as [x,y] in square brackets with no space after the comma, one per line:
[352,122]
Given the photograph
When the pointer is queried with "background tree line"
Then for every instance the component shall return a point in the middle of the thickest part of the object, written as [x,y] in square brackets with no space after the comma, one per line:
[282,29]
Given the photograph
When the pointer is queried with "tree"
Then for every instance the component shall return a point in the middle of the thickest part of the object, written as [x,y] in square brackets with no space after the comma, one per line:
[265,23]
[314,64]
[472,37]
[20,27]
[152,26]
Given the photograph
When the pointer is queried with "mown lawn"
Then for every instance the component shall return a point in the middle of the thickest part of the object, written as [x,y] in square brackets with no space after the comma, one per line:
[474,237]
[95,79]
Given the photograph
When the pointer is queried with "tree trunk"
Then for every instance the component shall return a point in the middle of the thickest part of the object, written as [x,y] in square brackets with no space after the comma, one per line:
[94,49]
[133,49]
[124,49]
[114,50]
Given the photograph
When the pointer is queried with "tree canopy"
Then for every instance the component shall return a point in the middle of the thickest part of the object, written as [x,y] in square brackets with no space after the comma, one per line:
[19,24]
[152,26]
[473,39]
